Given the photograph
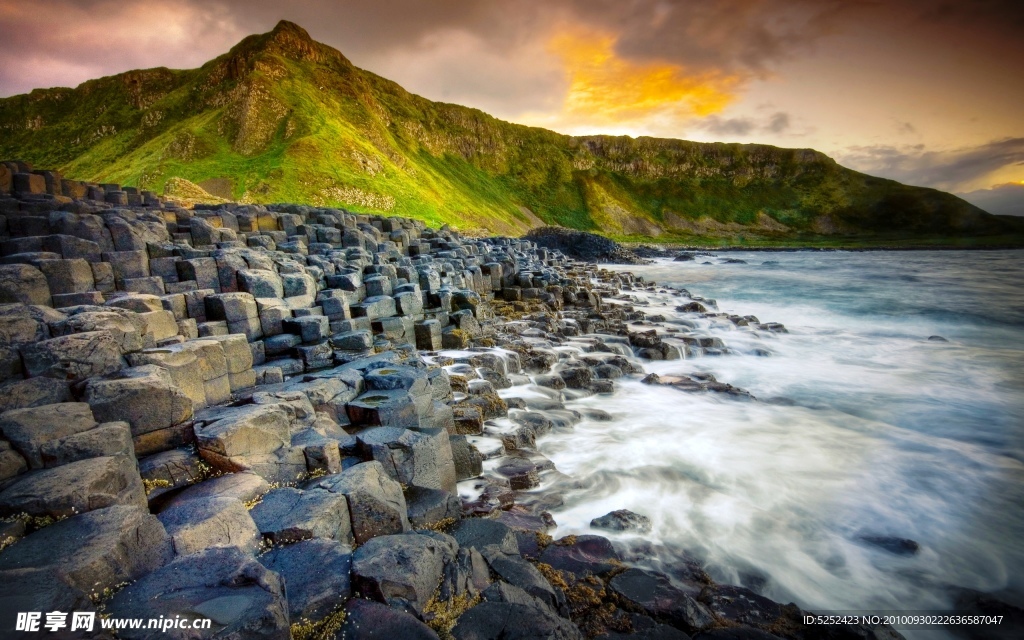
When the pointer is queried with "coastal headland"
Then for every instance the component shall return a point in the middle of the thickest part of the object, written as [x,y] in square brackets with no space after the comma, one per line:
[268,416]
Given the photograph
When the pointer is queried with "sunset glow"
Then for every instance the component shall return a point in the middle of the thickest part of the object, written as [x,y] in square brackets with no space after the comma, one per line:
[872,84]
[607,89]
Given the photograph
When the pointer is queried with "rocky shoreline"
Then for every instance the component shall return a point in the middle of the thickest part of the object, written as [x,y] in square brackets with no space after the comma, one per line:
[268,416]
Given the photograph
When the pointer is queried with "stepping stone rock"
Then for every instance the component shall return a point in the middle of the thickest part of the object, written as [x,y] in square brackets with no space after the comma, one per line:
[521,573]
[168,471]
[375,501]
[738,604]
[37,590]
[96,550]
[127,332]
[76,487]
[226,585]
[467,459]
[414,458]
[23,283]
[428,507]
[401,569]
[393,408]
[480,533]
[289,515]
[240,432]
[145,397]
[210,522]
[510,621]
[245,486]
[107,439]
[317,573]
[28,430]
[75,357]
[369,620]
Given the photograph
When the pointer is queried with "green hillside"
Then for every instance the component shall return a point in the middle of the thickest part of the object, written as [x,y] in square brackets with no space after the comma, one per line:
[281,118]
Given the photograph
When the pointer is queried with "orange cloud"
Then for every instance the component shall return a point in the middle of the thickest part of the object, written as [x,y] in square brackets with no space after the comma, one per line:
[607,90]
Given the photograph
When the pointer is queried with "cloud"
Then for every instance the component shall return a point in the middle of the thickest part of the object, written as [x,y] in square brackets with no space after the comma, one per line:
[606,89]
[987,14]
[1004,199]
[742,127]
[958,169]
[778,123]
[63,42]
[51,42]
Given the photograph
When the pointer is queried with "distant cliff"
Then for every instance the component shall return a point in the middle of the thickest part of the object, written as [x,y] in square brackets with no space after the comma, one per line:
[281,117]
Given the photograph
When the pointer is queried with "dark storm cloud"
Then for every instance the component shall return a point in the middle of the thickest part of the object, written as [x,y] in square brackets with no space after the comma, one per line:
[996,14]
[944,170]
[48,42]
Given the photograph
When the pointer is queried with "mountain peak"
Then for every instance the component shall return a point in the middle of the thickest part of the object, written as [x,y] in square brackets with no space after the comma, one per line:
[290,30]
[292,41]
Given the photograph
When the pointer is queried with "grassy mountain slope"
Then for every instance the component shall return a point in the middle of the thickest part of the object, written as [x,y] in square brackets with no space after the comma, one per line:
[283,118]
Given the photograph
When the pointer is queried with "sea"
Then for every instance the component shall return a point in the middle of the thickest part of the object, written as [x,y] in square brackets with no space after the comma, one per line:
[892,411]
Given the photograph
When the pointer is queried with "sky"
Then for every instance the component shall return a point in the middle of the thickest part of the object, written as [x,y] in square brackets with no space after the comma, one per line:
[927,92]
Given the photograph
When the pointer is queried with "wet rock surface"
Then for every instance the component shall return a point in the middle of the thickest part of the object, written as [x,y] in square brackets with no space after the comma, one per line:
[303,421]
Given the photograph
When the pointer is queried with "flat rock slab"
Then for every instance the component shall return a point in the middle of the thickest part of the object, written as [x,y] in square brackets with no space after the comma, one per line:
[741,605]
[242,597]
[251,438]
[385,407]
[289,515]
[244,486]
[645,628]
[75,488]
[203,523]
[36,590]
[480,533]
[520,573]
[34,392]
[108,439]
[429,507]
[96,550]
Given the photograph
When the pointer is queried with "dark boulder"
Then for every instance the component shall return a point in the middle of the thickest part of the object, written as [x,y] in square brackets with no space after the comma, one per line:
[653,594]
[584,246]
[403,569]
[368,620]
[242,598]
[509,621]
[582,555]
[481,532]
[622,520]
[317,574]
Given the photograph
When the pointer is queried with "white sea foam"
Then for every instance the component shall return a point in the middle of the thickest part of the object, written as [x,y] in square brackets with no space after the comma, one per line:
[862,427]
